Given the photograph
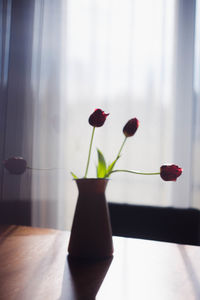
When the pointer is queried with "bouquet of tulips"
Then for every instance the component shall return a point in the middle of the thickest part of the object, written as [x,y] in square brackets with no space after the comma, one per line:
[18,165]
[97,119]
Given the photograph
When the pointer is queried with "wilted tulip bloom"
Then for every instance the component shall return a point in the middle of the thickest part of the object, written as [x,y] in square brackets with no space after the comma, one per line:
[98,118]
[15,165]
[131,127]
[170,173]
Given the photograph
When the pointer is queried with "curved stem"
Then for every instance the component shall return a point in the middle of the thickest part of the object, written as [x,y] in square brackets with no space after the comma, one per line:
[88,161]
[134,172]
[44,169]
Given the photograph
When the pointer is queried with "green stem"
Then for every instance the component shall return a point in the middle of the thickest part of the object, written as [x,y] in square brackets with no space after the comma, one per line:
[120,150]
[88,161]
[134,172]
[116,159]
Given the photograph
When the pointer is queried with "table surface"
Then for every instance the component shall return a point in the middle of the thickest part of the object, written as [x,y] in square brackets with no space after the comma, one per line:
[34,265]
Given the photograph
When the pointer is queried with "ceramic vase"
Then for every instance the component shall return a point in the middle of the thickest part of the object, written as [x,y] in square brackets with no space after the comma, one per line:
[91,234]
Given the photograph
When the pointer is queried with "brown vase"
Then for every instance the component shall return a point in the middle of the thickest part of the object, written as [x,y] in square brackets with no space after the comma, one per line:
[91,234]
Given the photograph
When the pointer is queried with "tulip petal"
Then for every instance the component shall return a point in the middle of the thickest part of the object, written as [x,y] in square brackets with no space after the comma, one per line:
[170,173]
[97,118]
[131,127]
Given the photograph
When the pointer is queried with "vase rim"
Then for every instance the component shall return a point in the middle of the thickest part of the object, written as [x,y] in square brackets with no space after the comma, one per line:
[92,178]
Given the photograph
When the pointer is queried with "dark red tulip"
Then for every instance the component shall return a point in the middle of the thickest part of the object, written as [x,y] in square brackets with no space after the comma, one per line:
[131,127]
[15,165]
[170,173]
[98,118]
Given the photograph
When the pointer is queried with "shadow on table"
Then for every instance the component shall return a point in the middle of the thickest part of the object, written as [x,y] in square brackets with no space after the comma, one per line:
[192,274]
[82,279]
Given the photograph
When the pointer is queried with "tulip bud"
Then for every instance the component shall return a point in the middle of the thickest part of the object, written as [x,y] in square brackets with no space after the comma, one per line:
[131,127]
[170,173]
[15,165]
[97,118]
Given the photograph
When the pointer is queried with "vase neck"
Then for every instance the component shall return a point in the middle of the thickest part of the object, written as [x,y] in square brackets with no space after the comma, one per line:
[93,185]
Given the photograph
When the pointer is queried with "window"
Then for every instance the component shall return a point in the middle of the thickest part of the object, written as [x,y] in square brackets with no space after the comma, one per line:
[130,58]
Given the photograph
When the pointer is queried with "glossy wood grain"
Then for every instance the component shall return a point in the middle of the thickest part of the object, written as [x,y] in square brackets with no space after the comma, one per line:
[34,265]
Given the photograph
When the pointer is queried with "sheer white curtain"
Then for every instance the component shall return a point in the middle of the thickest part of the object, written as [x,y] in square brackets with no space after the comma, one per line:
[49,174]
[131,59]
[120,58]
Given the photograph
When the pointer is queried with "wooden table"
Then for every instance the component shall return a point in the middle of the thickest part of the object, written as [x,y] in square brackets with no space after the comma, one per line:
[34,265]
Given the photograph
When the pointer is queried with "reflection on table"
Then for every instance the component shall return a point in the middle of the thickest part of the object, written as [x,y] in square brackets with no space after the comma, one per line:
[34,265]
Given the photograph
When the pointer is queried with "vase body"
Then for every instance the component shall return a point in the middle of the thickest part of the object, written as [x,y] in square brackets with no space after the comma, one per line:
[91,234]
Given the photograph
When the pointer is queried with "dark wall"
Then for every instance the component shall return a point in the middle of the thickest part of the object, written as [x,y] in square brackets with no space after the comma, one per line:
[147,222]
[15,212]
[156,223]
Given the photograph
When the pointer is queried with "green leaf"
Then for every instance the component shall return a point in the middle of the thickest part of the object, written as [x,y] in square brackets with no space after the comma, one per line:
[75,177]
[101,167]
[111,166]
